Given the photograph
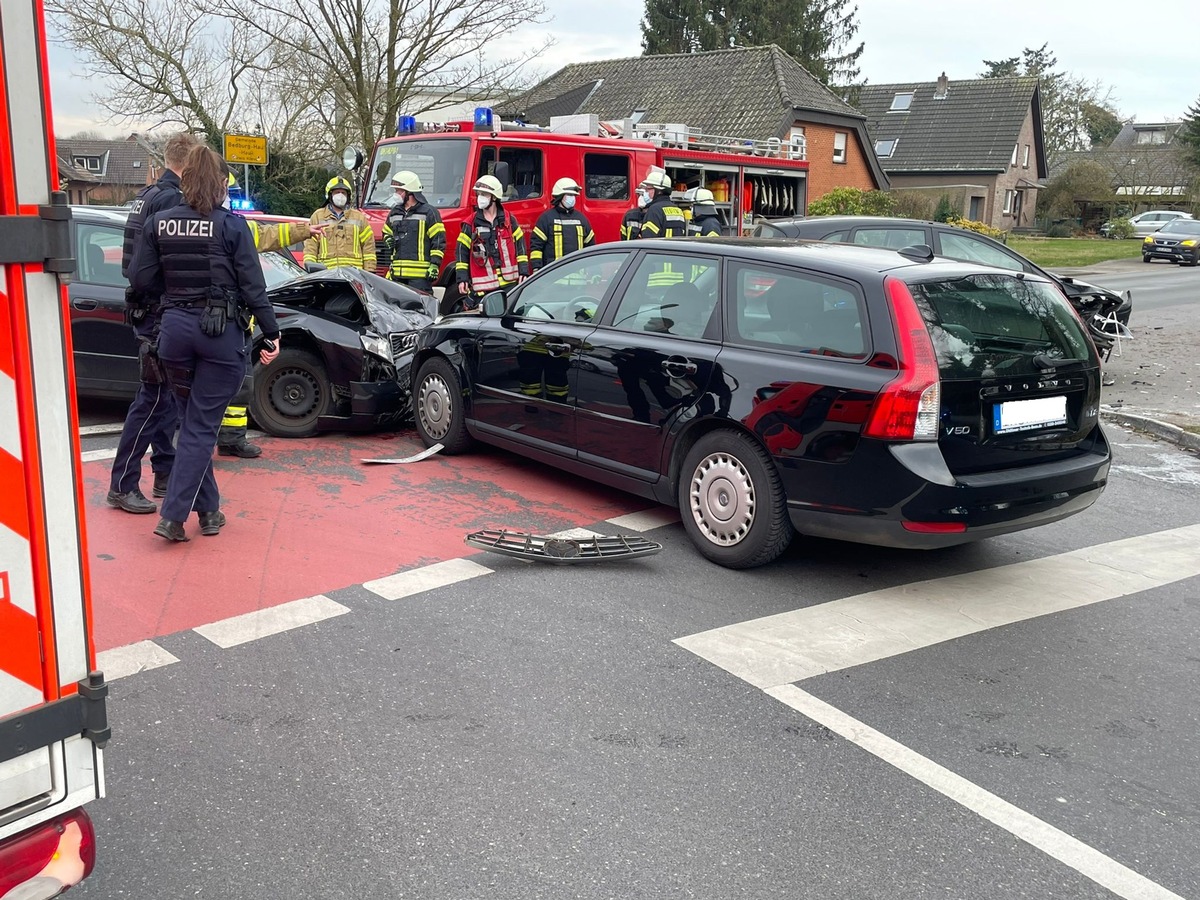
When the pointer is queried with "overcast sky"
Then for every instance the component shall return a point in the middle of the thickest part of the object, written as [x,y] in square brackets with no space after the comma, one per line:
[1149,64]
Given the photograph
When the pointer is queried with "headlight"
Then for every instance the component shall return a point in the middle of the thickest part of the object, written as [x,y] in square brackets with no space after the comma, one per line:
[377,346]
[1187,244]
[1149,240]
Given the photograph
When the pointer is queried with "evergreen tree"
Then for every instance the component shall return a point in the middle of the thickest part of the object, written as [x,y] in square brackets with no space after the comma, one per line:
[818,34]
[1189,135]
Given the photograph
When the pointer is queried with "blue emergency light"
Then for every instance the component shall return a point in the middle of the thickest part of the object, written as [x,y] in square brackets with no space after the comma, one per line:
[406,125]
[483,118]
[244,205]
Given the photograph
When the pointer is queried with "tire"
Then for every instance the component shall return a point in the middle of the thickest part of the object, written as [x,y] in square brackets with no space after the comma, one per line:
[731,501]
[438,409]
[1145,258]
[291,394]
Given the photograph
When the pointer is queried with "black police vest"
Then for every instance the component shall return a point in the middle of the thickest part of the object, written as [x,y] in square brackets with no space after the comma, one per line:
[192,253]
[163,194]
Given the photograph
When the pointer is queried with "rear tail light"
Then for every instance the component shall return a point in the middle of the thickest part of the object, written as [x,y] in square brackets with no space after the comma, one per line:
[910,405]
[935,527]
[46,860]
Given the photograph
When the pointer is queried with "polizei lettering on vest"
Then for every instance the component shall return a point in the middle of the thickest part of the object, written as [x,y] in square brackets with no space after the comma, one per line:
[185,228]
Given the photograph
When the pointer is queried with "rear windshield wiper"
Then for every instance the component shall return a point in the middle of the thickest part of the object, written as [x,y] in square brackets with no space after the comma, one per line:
[1042,361]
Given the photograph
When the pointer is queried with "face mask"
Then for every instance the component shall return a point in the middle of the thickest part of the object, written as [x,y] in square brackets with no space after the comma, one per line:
[568,201]
[225,202]
[340,200]
[401,198]
[483,201]
[643,199]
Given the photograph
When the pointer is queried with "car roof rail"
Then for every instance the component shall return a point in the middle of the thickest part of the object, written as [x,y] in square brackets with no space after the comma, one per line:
[917,253]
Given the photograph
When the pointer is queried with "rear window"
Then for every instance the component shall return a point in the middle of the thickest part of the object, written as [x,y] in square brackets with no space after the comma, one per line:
[994,326]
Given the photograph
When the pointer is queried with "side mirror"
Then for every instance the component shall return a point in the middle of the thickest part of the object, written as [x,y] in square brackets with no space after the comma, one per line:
[494,304]
[503,171]
[352,158]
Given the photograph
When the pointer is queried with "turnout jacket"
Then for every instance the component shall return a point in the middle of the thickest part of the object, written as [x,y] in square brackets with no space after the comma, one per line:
[631,224]
[663,219]
[479,249]
[704,226]
[558,232]
[416,238]
[277,237]
[347,241]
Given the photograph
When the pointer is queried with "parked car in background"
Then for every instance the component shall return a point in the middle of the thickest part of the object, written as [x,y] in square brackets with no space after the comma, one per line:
[1177,241]
[855,393]
[1148,222]
[347,337]
[1093,303]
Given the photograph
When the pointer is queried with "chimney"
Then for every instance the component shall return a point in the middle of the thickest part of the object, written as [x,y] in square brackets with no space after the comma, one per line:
[943,84]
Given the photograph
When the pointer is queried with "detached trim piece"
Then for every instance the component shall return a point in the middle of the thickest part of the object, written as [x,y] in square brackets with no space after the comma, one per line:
[560,551]
[44,239]
[82,714]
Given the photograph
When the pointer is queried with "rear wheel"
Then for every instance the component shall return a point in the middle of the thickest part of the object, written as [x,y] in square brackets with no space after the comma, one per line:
[438,409]
[732,503]
[291,394]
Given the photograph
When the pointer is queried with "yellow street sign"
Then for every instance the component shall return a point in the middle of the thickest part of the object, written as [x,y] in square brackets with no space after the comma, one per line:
[249,149]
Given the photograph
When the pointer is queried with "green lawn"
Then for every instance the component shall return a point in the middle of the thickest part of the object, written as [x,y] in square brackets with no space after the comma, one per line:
[1071,252]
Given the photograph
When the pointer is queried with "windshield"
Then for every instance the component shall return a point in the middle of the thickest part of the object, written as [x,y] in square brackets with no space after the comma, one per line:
[278,269]
[441,165]
[1182,226]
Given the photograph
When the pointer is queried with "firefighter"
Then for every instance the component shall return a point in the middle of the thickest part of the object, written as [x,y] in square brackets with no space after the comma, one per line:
[231,439]
[705,222]
[631,223]
[201,258]
[152,417]
[414,235]
[663,218]
[560,229]
[347,239]
[490,254]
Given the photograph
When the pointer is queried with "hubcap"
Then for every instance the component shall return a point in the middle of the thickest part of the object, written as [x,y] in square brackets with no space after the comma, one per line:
[435,406]
[295,393]
[722,499]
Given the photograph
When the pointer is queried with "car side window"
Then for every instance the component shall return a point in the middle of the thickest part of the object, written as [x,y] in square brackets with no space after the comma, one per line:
[99,255]
[572,291]
[969,249]
[671,293]
[838,237]
[789,310]
[891,238]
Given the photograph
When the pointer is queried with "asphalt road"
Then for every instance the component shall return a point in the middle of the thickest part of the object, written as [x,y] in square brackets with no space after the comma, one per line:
[560,732]
[1155,285]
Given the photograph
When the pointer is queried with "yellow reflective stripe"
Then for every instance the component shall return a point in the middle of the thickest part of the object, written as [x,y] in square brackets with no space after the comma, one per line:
[558,240]
[536,254]
[464,239]
[436,229]
[235,417]
[539,233]
[650,226]
[436,256]
[421,240]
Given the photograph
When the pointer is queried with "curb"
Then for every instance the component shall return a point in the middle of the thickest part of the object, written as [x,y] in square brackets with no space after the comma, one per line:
[1172,433]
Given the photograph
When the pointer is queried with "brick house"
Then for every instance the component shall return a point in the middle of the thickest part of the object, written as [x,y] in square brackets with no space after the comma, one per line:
[106,172]
[757,93]
[979,142]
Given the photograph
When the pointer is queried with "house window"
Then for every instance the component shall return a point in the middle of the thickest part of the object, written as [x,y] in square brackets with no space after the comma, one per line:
[1010,198]
[1152,136]
[885,148]
[1016,150]
[901,102]
[839,146]
[606,176]
[1025,158]
[797,146]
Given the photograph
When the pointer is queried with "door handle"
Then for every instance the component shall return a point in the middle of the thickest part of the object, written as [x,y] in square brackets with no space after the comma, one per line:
[84,304]
[554,349]
[677,365]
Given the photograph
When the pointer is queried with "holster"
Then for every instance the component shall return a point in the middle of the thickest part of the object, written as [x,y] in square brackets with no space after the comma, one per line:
[151,367]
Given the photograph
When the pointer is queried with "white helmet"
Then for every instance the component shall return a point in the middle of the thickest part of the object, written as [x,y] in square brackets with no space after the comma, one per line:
[407,180]
[657,179]
[489,184]
[566,186]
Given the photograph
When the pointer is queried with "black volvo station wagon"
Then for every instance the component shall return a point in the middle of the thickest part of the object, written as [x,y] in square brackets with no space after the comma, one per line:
[773,387]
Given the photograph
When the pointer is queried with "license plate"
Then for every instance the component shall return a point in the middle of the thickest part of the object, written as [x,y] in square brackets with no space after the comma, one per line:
[1024,415]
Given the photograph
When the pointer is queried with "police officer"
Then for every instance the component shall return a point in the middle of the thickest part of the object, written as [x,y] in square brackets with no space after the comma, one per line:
[631,222]
[490,254]
[561,229]
[705,222]
[201,259]
[152,417]
[414,235]
[347,239]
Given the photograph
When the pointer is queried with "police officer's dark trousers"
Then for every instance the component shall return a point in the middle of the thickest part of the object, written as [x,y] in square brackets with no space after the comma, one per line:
[205,374]
[150,423]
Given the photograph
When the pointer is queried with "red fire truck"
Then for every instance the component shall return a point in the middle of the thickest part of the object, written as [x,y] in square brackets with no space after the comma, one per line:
[748,177]
[53,722]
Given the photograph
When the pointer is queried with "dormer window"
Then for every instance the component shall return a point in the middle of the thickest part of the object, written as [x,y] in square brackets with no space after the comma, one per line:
[1152,136]
[901,102]
[885,148]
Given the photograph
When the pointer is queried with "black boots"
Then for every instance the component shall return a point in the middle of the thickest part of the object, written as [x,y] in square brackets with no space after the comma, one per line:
[133,502]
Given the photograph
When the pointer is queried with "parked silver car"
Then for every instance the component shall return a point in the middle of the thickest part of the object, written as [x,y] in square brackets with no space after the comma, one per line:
[1148,222]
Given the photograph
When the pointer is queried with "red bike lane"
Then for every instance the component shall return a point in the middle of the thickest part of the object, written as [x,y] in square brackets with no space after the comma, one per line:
[309,517]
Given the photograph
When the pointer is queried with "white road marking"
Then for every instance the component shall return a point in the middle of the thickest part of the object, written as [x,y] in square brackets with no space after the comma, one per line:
[93,455]
[1172,468]
[105,428]
[1087,861]
[796,645]
[275,619]
[121,662]
[426,578]
[647,519]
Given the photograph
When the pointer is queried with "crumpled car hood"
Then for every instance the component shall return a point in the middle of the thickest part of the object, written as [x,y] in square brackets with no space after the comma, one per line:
[389,307]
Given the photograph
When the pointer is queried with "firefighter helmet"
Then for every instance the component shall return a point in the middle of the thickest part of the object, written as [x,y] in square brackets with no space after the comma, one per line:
[489,184]
[566,186]
[657,179]
[232,182]
[337,183]
[702,195]
[407,180]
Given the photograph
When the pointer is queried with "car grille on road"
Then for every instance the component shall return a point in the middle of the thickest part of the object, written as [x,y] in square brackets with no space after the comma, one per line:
[402,341]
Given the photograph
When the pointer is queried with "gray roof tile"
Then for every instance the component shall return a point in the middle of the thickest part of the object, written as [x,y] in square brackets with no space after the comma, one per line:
[117,159]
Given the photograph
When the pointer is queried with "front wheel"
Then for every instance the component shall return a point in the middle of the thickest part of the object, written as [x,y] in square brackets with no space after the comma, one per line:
[1145,258]
[291,394]
[732,502]
[438,409]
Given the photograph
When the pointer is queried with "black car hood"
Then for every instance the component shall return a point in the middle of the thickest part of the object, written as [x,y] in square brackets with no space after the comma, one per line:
[358,299]
[1074,287]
